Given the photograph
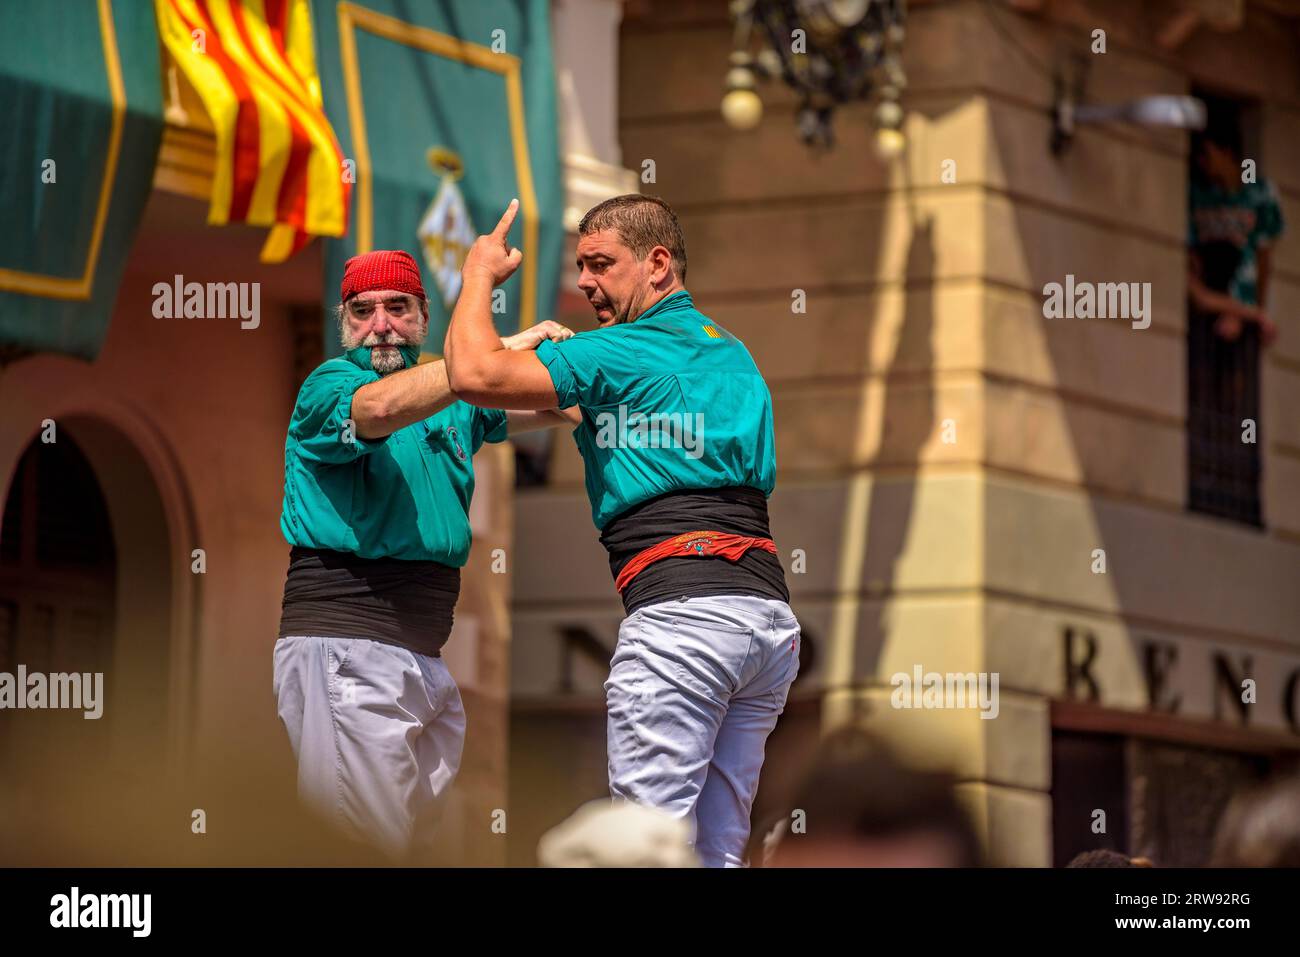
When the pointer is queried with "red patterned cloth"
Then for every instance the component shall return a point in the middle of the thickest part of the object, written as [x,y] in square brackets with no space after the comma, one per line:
[382,269]
[690,545]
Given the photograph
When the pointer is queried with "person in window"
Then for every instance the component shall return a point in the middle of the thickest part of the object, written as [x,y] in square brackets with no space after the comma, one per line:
[1233,222]
[1232,227]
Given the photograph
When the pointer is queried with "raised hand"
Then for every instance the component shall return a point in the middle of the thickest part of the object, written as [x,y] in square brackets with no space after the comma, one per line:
[492,254]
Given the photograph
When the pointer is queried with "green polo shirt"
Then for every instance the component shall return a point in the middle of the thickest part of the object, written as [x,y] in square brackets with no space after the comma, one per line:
[403,496]
[670,402]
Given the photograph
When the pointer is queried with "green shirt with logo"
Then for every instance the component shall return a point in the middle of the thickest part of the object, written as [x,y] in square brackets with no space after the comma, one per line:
[405,495]
[670,402]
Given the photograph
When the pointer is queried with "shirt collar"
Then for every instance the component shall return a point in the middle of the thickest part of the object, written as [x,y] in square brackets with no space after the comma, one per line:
[677,302]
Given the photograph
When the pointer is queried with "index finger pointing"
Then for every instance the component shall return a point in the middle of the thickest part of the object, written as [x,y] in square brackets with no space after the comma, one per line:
[507,220]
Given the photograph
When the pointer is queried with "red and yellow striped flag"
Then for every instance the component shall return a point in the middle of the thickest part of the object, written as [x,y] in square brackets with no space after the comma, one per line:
[279,164]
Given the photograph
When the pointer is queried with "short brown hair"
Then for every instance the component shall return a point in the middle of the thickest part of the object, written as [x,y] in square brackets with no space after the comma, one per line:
[642,223]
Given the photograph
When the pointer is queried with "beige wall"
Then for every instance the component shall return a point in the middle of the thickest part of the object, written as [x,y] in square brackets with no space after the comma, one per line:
[925,305]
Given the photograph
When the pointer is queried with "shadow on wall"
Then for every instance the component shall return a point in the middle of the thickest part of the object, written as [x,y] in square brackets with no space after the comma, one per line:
[908,423]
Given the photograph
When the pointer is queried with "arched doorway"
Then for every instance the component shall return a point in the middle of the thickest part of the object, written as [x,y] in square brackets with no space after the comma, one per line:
[57,590]
[95,539]
[85,610]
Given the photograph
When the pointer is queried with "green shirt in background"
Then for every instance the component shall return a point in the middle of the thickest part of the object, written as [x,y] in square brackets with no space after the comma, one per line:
[1221,223]
[670,402]
[403,496]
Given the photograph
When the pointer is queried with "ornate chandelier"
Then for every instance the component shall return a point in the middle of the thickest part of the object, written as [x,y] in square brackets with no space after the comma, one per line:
[831,52]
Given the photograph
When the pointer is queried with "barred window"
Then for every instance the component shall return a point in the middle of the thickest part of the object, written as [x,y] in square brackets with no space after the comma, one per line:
[1231,217]
[1223,469]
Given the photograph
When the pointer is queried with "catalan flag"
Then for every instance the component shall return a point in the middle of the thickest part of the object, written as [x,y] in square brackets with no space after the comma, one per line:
[278,163]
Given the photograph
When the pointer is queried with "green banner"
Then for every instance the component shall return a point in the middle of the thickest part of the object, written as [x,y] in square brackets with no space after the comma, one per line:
[83,108]
[447,111]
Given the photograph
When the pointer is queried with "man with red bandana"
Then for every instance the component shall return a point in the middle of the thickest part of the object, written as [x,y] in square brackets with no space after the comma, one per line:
[378,476]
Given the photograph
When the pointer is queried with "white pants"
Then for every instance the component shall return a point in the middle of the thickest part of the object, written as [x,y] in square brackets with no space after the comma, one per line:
[377,731]
[695,687]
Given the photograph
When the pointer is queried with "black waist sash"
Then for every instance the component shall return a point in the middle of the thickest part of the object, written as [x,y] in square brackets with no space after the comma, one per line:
[737,510]
[339,595]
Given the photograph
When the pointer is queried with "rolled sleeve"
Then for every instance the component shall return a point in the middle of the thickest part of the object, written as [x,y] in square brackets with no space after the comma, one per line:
[489,426]
[322,423]
[593,368]
[566,385]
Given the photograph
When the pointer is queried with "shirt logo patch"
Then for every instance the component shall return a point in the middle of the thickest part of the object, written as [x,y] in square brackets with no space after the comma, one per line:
[711,332]
[451,434]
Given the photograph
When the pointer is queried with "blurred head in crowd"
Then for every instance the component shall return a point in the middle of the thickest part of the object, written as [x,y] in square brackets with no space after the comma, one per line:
[1107,858]
[1261,828]
[860,806]
[1218,150]
[617,834]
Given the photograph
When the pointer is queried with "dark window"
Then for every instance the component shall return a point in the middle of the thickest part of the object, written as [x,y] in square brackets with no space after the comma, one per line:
[1087,777]
[533,457]
[56,508]
[1222,395]
[309,340]
[1162,800]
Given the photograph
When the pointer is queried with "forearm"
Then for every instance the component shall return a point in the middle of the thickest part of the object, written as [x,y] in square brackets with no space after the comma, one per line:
[1209,300]
[401,398]
[471,337]
[480,368]
[518,422]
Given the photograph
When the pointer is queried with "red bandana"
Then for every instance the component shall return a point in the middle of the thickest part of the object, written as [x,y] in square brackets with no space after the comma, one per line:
[382,269]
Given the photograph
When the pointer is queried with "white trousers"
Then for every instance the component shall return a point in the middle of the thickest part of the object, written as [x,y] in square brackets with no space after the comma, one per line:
[377,731]
[695,687]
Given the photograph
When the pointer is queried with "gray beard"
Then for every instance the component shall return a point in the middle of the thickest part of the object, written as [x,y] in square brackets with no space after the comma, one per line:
[382,362]
[390,360]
